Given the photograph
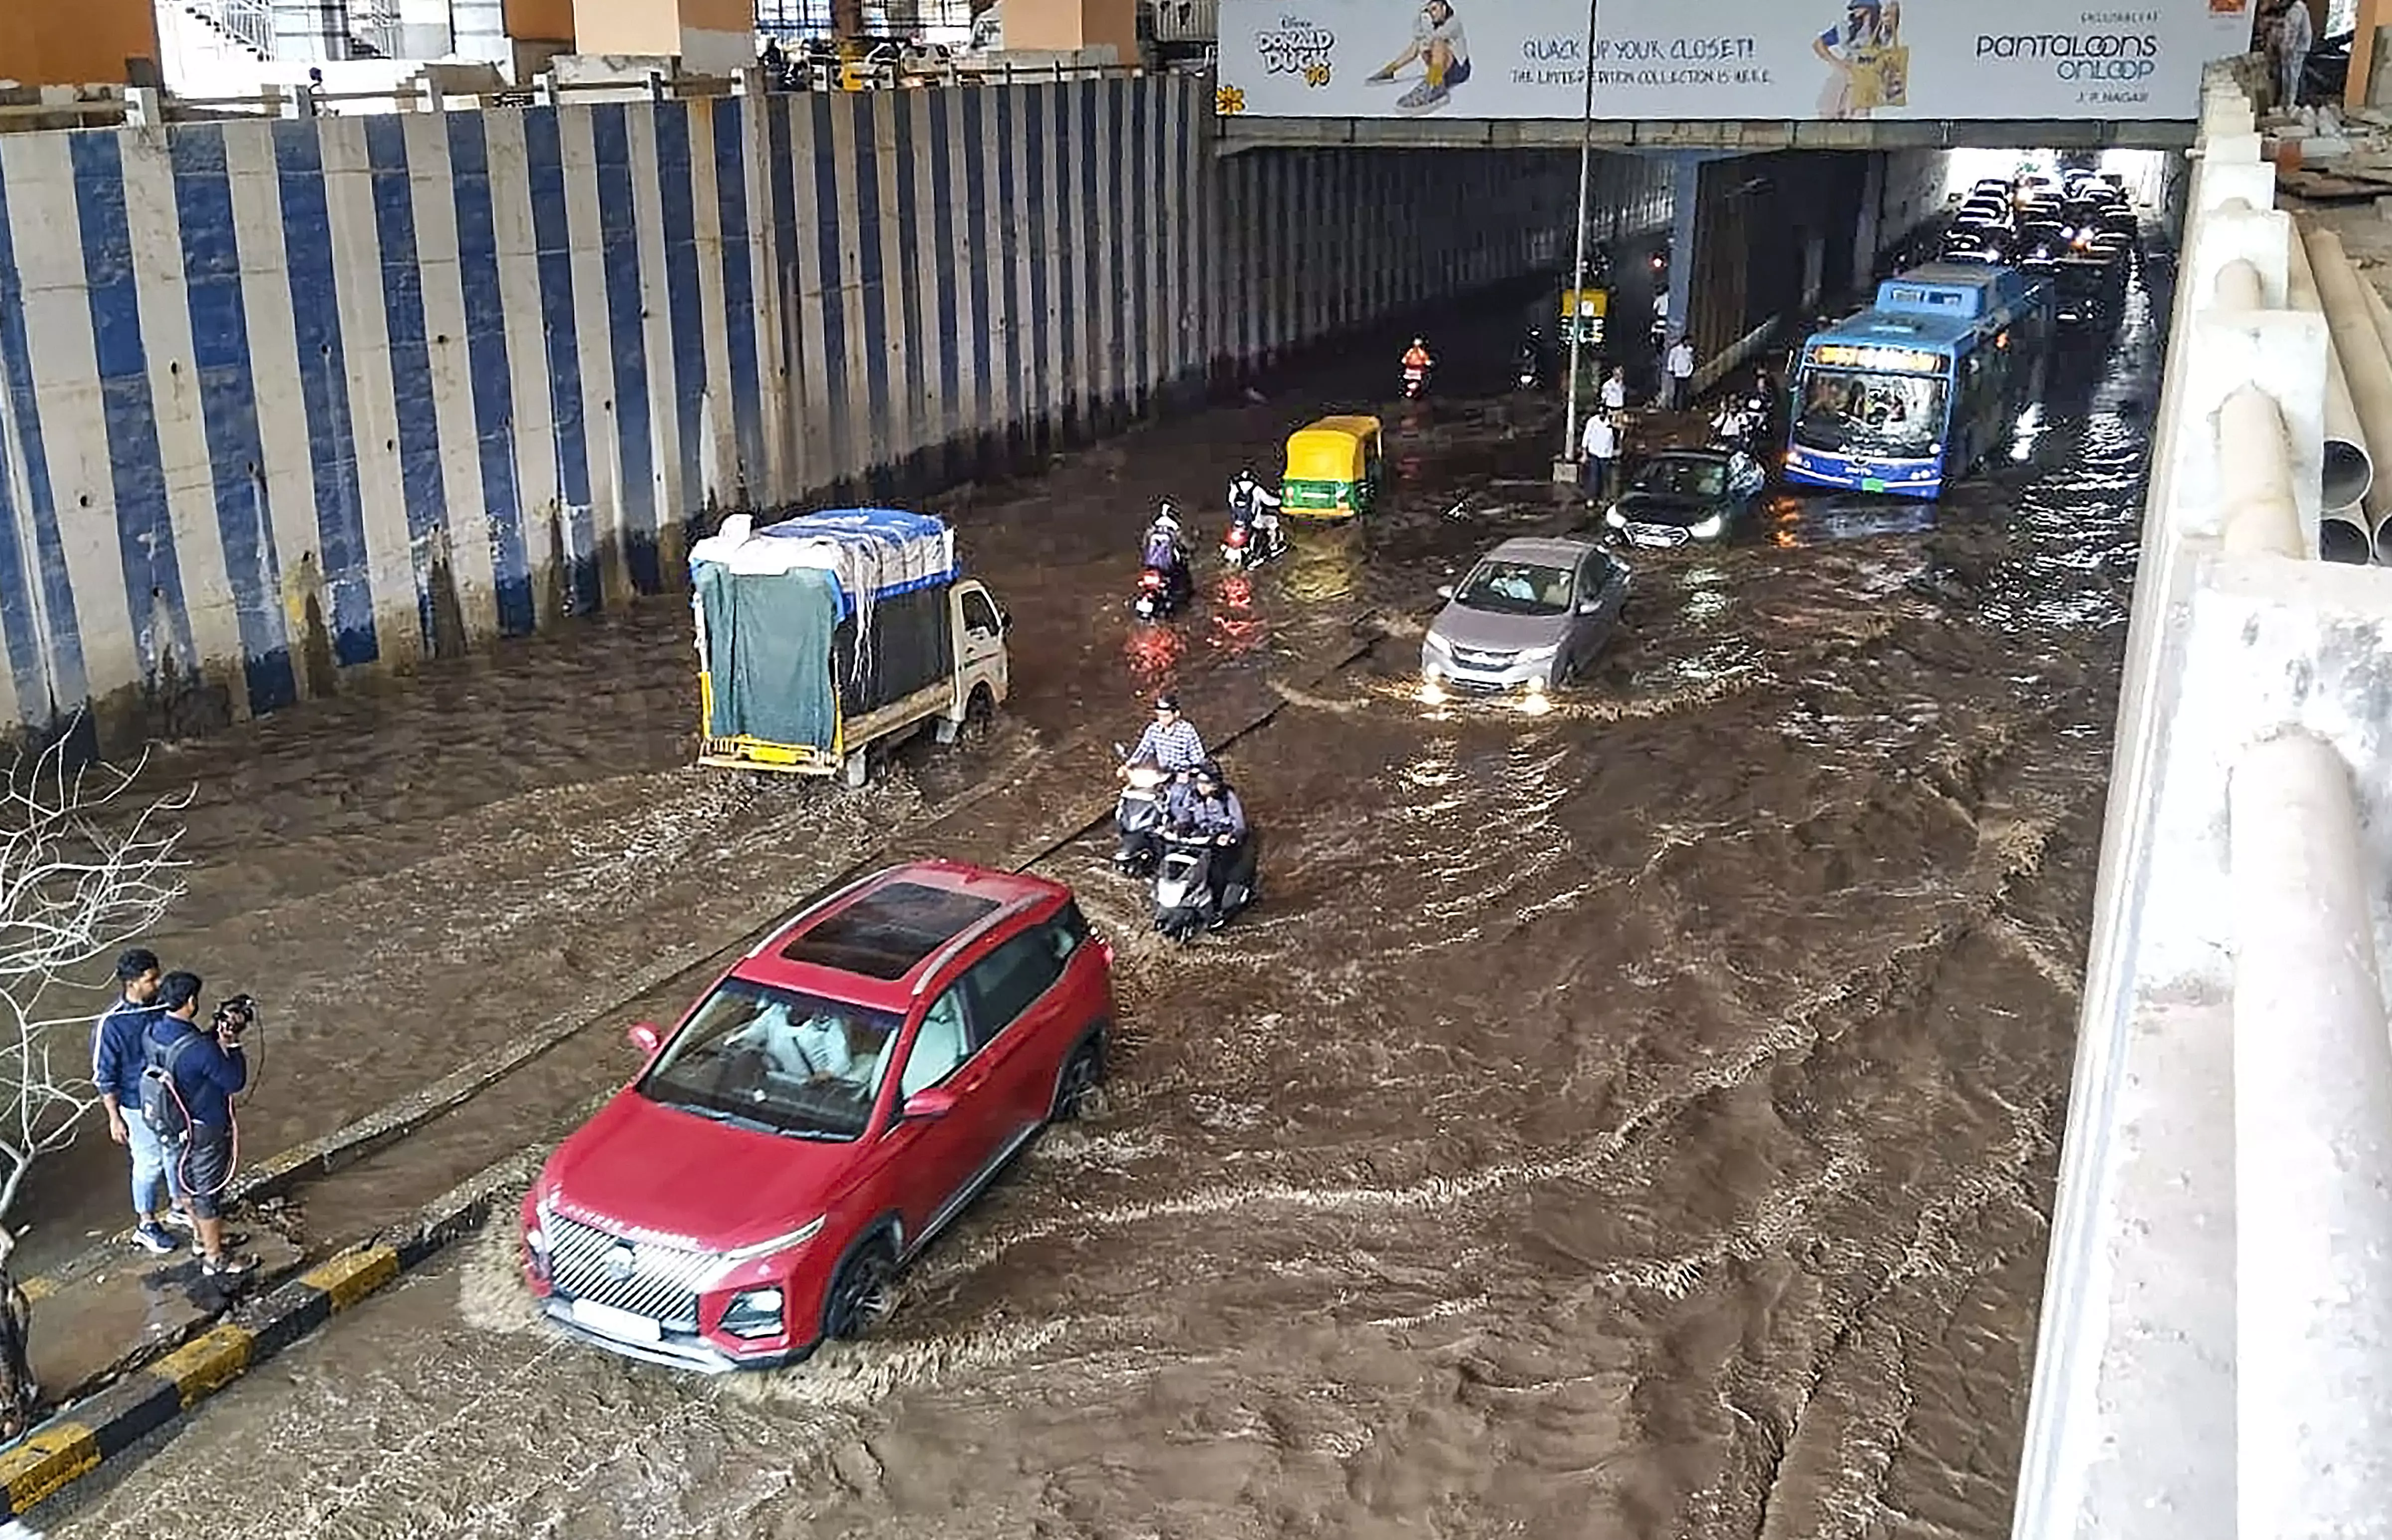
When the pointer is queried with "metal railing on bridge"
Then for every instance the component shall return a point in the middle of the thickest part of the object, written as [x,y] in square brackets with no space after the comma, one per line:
[2216,1352]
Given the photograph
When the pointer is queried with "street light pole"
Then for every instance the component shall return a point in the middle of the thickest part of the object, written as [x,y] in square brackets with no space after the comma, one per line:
[1578,271]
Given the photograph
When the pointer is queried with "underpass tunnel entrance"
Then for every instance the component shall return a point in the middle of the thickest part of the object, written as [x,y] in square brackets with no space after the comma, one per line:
[1765,248]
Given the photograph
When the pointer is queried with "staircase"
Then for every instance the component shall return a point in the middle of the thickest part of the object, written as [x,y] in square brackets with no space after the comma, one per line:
[243,27]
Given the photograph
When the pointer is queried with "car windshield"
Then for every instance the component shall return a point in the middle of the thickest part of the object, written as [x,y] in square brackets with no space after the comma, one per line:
[1848,412]
[1516,587]
[1674,477]
[775,1060]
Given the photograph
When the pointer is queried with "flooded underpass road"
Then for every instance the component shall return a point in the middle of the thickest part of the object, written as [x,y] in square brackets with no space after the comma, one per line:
[1634,1121]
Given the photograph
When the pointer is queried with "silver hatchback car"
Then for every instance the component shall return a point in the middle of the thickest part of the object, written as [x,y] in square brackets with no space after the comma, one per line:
[1532,614]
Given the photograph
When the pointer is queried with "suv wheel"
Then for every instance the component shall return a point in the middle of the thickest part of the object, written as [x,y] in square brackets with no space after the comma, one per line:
[1076,1088]
[862,1296]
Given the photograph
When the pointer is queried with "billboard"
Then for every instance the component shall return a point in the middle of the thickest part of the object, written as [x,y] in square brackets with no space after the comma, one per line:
[1769,60]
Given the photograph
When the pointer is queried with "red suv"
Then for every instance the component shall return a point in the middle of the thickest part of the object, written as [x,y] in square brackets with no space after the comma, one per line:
[838,1096]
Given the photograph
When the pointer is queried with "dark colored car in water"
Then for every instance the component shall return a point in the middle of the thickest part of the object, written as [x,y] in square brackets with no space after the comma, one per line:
[1682,494]
[832,1103]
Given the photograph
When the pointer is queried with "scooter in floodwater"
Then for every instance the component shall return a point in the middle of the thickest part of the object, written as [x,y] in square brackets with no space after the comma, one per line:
[1250,545]
[1184,902]
[1137,818]
[1163,592]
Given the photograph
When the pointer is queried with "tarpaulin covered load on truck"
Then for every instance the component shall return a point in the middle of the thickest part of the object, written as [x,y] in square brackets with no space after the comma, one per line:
[818,619]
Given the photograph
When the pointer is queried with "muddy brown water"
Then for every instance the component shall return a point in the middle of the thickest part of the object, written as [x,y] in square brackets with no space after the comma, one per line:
[1635,1120]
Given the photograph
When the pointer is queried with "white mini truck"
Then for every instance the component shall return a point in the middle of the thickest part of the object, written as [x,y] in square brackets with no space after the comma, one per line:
[826,636]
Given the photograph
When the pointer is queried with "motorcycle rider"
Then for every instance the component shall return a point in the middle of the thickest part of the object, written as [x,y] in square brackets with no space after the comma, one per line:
[1205,808]
[1256,508]
[1166,547]
[1170,743]
[1531,359]
[1417,362]
[1733,424]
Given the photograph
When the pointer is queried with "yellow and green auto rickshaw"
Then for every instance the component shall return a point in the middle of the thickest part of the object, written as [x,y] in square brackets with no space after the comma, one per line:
[1333,469]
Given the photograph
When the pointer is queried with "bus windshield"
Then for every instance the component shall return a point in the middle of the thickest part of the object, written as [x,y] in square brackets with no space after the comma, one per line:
[1846,411]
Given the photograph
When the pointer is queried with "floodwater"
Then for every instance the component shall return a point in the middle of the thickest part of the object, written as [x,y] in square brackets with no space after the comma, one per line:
[1634,1121]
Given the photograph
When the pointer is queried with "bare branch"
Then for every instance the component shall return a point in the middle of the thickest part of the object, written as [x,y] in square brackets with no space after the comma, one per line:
[87,864]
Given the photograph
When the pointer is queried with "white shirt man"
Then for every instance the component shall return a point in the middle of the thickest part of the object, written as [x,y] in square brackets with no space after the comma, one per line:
[1615,391]
[1680,369]
[1600,443]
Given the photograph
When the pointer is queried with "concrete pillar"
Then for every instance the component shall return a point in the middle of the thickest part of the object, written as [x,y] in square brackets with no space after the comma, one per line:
[1868,236]
[310,31]
[1066,26]
[424,28]
[709,37]
[1686,192]
[2373,14]
[478,31]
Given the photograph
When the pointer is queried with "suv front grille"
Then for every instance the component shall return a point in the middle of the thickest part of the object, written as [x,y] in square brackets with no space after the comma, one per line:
[660,1282]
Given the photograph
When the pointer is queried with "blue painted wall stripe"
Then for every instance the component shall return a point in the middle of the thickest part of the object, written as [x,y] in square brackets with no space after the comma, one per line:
[1065,211]
[1029,134]
[1095,282]
[828,231]
[739,289]
[228,410]
[486,367]
[683,298]
[1141,249]
[974,104]
[942,216]
[627,340]
[420,482]
[42,694]
[871,280]
[1008,245]
[780,116]
[909,277]
[552,238]
[153,577]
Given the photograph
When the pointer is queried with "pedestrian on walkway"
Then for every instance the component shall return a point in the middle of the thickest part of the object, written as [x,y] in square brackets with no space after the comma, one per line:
[2294,32]
[1615,390]
[206,1068]
[1678,372]
[1600,444]
[116,1061]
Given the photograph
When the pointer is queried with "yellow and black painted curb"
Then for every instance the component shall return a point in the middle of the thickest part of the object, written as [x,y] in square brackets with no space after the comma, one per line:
[73,1444]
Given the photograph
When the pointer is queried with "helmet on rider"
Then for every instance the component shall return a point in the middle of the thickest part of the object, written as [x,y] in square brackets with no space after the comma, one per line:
[1166,704]
[1207,777]
[1246,476]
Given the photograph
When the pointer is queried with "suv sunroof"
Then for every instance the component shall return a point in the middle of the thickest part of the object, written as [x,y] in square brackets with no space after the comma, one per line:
[887,932]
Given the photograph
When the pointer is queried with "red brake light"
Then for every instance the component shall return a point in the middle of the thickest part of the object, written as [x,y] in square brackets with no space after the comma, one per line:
[1150,579]
[1237,535]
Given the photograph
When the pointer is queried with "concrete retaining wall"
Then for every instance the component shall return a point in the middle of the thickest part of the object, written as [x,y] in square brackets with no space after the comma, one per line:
[283,399]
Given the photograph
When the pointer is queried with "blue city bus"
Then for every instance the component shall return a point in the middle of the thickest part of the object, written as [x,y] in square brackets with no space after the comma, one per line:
[1915,390]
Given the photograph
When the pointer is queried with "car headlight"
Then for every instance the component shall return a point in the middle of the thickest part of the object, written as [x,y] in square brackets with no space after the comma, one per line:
[1616,518]
[805,1232]
[1437,643]
[1538,655]
[1710,528]
[756,1313]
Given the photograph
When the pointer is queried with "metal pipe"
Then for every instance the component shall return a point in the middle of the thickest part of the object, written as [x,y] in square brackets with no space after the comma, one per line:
[2350,325]
[2312,1152]
[2378,506]
[1578,272]
[2349,458]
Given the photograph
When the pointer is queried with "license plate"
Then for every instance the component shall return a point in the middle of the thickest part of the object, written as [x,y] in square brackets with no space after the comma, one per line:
[1871,483]
[621,1325]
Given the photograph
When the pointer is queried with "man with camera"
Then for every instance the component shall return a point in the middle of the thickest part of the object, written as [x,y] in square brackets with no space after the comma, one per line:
[187,1096]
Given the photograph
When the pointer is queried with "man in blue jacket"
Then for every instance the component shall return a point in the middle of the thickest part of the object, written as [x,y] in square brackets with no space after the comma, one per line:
[207,1067]
[116,1060]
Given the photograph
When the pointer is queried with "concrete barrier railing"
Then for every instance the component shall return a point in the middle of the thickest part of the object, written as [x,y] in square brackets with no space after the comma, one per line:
[2215,1357]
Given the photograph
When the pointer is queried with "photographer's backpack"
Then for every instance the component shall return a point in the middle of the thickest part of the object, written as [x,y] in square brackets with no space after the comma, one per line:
[162,1104]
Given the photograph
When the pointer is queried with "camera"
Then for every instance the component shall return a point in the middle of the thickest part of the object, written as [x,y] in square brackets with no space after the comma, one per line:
[235,1017]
